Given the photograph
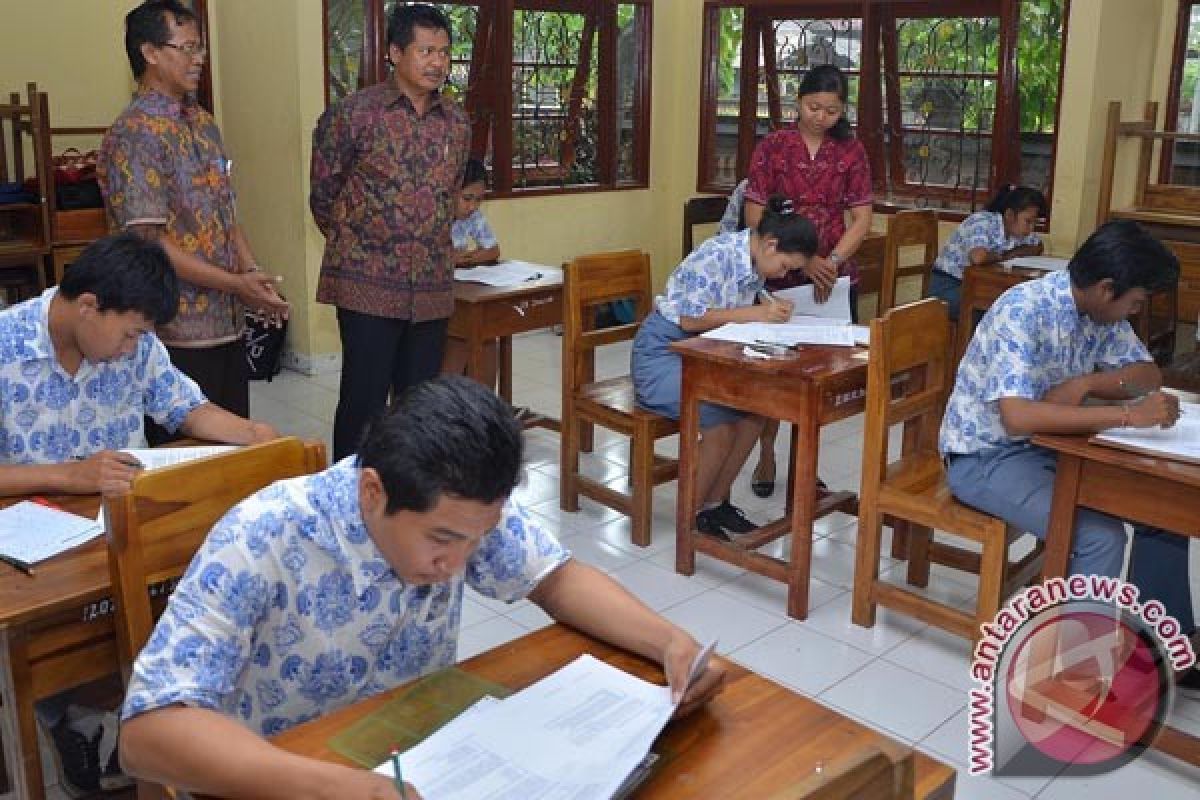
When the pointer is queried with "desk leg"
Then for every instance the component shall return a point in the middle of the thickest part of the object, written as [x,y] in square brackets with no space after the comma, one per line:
[505,369]
[805,444]
[1060,529]
[475,359]
[9,723]
[26,769]
[689,452]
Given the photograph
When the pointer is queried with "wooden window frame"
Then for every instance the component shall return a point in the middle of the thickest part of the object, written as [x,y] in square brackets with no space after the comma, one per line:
[878,78]
[489,98]
[1183,25]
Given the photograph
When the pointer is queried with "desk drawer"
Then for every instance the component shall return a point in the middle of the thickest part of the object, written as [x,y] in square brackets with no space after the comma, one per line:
[518,315]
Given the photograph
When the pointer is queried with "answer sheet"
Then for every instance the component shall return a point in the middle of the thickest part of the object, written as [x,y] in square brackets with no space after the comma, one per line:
[1044,263]
[784,333]
[805,304]
[574,735]
[158,457]
[506,273]
[1180,441]
[31,532]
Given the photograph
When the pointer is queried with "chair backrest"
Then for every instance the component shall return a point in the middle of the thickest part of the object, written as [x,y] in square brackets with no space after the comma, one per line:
[589,281]
[868,775]
[25,155]
[907,382]
[156,527]
[700,211]
[905,230]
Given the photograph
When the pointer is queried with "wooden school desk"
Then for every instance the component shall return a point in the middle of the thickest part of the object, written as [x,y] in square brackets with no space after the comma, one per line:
[483,313]
[810,387]
[56,633]
[1142,489]
[755,740]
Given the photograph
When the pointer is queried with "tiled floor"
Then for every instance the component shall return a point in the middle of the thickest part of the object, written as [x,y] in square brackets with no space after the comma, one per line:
[900,676]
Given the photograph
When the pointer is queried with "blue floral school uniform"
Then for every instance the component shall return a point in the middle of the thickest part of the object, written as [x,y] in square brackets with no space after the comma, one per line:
[475,229]
[48,416]
[289,611]
[718,274]
[982,229]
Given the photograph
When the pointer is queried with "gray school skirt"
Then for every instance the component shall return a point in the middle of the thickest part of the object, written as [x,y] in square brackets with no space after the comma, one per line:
[658,373]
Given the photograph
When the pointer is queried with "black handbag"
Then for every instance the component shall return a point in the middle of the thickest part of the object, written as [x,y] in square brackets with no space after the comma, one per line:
[264,346]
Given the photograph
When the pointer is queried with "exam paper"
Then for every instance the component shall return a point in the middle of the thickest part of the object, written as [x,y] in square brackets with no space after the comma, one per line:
[837,307]
[1182,440]
[506,273]
[158,457]
[1044,263]
[574,735]
[31,532]
[784,333]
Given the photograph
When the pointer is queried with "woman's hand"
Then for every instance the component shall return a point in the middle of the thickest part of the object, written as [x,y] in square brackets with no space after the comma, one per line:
[823,273]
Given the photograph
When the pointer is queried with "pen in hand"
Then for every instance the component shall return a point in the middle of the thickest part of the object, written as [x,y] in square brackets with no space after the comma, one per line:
[397,775]
[766,296]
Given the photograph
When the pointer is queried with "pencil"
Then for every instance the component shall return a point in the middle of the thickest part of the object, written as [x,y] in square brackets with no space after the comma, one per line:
[397,775]
[766,296]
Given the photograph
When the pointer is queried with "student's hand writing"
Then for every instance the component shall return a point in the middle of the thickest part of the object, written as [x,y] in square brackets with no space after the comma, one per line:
[107,472]
[257,291]
[778,311]
[359,784]
[1156,408]
[823,273]
[677,662]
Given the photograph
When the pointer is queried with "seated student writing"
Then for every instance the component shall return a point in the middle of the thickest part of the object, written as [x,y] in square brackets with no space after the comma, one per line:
[474,244]
[716,284]
[323,590]
[81,366]
[1039,352]
[1001,231]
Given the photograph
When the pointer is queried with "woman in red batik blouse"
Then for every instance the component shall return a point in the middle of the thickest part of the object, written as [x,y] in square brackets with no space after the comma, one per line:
[823,170]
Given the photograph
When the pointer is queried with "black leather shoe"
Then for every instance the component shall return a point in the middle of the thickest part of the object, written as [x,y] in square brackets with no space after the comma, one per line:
[705,523]
[731,518]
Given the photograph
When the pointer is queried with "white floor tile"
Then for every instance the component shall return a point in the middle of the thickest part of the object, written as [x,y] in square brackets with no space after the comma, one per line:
[771,595]
[713,615]
[657,587]
[895,699]
[483,636]
[473,611]
[801,658]
[710,571]
[949,744]
[599,554]
[530,617]
[939,655]
[1152,775]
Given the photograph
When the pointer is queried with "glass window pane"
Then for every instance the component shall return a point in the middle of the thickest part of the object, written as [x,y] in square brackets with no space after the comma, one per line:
[1185,163]
[631,32]
[344,45]
[728,55]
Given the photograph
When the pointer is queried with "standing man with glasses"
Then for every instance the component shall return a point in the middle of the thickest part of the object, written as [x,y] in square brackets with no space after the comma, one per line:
[387,162]
[165,176]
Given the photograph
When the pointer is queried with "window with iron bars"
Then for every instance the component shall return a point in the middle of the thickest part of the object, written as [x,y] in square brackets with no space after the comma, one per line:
[949,106]
[558,91]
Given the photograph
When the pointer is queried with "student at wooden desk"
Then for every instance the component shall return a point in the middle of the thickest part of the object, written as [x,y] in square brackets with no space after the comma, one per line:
[716,284]
[1043,348]
[320,591]
[80,366]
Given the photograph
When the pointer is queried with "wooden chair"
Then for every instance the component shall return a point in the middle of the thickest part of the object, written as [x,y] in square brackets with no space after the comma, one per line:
[907,229]
[870,775]
[907,383]
[25,226]
[700,211]
[157,526]
[589,281]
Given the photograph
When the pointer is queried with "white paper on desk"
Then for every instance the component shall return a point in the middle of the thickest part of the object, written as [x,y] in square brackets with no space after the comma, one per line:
[158,457]
[1180,440]
[783,333]
[506,273]
[837,307]
[32,532]
[575,734]
[1044,263]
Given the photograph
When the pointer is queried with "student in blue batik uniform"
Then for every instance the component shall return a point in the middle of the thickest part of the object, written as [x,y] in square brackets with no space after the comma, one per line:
[474,244]
[1044,348]
[323,590]
[80,366]
[716,284]
[1001,231]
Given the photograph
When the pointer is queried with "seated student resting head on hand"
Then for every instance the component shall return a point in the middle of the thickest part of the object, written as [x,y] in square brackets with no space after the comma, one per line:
[1043,348]
[80,366]
[323,590]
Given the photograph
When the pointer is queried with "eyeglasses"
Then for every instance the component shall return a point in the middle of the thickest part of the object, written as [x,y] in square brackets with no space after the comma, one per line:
[191,49]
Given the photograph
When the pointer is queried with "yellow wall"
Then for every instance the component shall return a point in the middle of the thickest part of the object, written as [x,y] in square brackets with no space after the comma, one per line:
[268,94]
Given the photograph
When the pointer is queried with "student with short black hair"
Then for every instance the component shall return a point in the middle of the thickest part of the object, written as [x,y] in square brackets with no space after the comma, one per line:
[80,367]
[1003,230]
[1043,348]
[717,284]
[323,590]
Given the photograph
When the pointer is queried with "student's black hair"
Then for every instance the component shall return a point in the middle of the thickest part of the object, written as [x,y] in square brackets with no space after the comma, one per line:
[147,24]
[1125,252]
[475,172]
[126,273]
[414,15]
[446,436]
[828,78]
[793,232]
[1018,198]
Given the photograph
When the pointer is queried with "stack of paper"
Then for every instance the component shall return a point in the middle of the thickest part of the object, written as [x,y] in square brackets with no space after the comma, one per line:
[804,301]
[789,334]
[506,273]
[1180,442]
[1044,263]
[31,532]
[577,733]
